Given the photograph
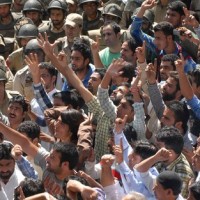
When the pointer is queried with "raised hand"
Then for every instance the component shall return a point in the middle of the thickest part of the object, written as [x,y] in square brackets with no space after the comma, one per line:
[46,46]
[107,160]
[162,155]
[190,19]
[95,46]
[115,67]
[148,4]
[32,61]
[118,151]
[120,124]
[151,73]
[180,63]
[17,152]
[140,53]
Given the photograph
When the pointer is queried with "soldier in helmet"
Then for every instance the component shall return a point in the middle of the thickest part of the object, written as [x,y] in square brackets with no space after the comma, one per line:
[111,12]
[57,12]
[92,18]
[6,92]
[33,9]
[72,6]
[17,5]
[15,60]
[7,19]
[23,78]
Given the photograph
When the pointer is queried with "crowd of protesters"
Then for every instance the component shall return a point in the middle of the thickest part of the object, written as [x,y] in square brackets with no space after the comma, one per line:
[99,99]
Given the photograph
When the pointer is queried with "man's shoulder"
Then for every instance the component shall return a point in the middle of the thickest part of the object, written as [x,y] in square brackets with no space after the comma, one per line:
[104,50]
[17,52]
[22,71]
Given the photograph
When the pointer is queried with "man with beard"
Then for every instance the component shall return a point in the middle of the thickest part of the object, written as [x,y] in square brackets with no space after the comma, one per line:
[57,11]
[169,157]
[17,110]
[166,104]
[33,9]
[57,164]
[163,41]
[81,63]
[92,18]
[170,90]
[7,19]
[95,80]
[167,65]
[10,176]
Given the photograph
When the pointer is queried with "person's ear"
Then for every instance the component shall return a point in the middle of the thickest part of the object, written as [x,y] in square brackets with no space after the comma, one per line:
[86,61]
[178,125]
[178,95]
[35,141]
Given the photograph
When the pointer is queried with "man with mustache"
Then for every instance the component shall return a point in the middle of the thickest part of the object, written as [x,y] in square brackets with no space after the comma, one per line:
[57,10]
[17,109]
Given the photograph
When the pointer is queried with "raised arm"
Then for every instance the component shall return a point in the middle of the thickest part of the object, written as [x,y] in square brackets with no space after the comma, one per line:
[185,86]
[17,138]
[60,62]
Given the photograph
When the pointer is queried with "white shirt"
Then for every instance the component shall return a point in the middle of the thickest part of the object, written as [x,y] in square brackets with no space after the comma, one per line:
[7,190]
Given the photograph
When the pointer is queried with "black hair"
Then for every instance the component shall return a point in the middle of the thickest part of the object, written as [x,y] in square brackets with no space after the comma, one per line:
[83,48]
[177,6]
[181,113]
[165,27]
[116,27]
[68,153]
[30,128]
[49,67]
[129,98]
[101,72]
[72,118]
[130,133]
[145,149]
[20,100]
[68,97]
[175,76]
[30,187]
[128,72]
[170,58]
[172,139]
[195,190]
[170,180]
[5,151]
[132,44]
[195,74]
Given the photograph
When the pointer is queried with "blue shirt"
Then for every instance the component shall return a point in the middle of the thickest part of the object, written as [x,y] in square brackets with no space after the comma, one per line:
[140,36]
[91,69]
[26,168]
[194,103]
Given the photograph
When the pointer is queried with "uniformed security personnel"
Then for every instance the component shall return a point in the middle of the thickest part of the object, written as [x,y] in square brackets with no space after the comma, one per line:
[34,10]
[73,28]
[23,78]
[15,60]
[6,92]
[17,5]
[111,12]
[7,19]
[92,18]
[7,46]
[57,11]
